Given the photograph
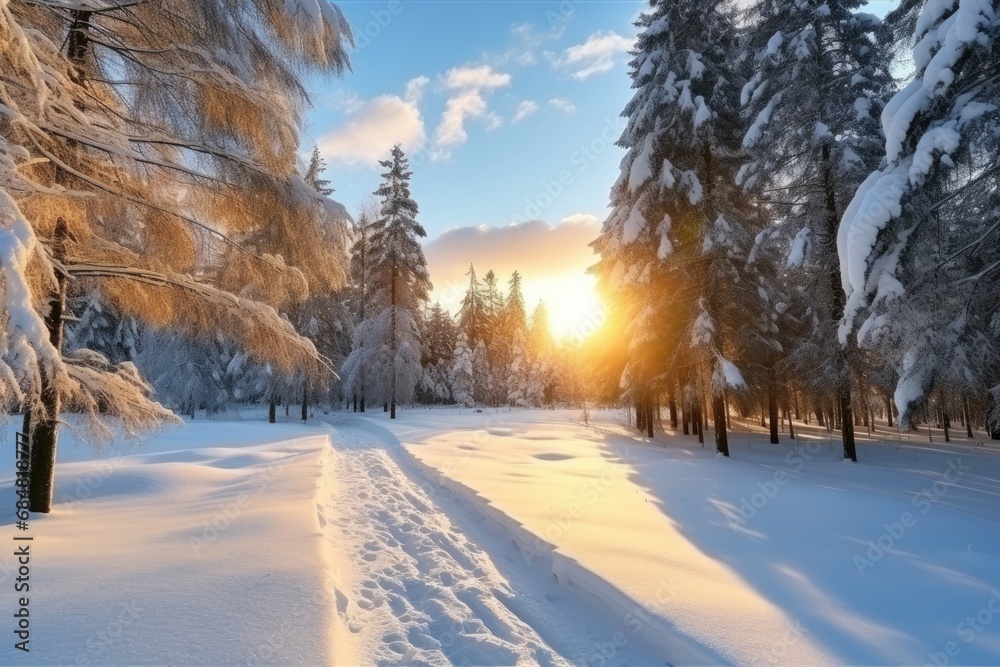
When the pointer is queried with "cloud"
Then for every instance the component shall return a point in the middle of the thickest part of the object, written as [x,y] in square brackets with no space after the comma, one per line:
[540,251]
[471,85]
[562,105]
[494,121]
[594,56]
[374,126]
[523,110]
[451,130]
[475,78]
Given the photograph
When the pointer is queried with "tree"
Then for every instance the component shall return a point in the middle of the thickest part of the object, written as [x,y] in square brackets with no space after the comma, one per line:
[388,339]
[918,241]
[473,314]
[314,173]
[462,372]
[673,245]
[817,81]
[120,120]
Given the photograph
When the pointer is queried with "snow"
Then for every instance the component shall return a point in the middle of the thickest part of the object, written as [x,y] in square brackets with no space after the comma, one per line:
[452,536]
[642,167]
[204,546]
[791,584]
[800,243]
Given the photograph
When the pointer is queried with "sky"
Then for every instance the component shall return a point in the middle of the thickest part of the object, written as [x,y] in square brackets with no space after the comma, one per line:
[509,111]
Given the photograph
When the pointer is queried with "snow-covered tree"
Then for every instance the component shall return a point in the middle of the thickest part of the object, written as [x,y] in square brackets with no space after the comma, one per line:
[387,343]
[671,248]
[918,241]
[472,318]
[140,140]
[818,75]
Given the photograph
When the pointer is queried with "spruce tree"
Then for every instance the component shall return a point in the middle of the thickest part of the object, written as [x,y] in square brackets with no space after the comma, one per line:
[388,339]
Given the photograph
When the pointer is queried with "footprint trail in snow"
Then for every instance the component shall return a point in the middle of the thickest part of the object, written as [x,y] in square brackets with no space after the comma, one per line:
[434,597]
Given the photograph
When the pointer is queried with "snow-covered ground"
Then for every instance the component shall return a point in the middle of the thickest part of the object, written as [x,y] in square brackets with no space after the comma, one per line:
[510,537]
[781,554]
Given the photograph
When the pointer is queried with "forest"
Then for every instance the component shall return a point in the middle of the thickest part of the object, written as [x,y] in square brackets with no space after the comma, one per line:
[806,224]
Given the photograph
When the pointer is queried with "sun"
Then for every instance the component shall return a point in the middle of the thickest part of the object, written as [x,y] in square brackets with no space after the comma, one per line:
[575,309]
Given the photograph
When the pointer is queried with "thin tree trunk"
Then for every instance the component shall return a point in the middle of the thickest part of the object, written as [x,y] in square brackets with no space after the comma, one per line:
[888,411]
[721,436]
[791,428]
[392,380]
[687,419]
[270,412]
[968,416]
[673,411]
[305,404]
[772,407]
[847,434]
[649,418]
[355,402]
[945,421]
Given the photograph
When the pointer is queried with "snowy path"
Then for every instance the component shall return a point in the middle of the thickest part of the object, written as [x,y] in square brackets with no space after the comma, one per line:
[435,585]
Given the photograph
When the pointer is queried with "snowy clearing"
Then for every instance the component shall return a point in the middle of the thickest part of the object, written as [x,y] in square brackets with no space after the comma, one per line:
[511,537]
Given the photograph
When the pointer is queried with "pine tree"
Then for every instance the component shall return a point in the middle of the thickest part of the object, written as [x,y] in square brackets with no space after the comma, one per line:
[389,339]
[314,173]
[473,315]
[672,248]
[818,78]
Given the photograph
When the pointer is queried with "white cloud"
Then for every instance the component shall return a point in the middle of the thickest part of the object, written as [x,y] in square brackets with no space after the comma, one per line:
[594,56]
[415,89]
[374,126]
[471,85]
[494,121]
[451,130]
[476,78]
[523,110]
[562,105]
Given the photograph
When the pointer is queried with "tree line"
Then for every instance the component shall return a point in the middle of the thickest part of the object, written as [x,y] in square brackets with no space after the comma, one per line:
[797,229]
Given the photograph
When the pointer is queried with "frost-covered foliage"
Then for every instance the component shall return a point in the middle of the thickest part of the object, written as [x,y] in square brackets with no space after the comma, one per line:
[142,127]
[918,242]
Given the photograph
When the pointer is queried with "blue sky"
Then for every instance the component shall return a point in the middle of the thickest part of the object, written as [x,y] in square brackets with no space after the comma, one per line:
[512,55]
[509,111]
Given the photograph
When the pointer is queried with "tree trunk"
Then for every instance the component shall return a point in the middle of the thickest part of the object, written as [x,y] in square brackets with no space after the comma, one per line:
[945,420]
[673,412]
[791,428]
[847,434]
[888,411]
[687,419]
[772,407]
[392,356]
[721,436]
[696,421]
[42,468]
[355,402]
[305,404]
[968,416]
[362,403]
[649,418]
[270,412]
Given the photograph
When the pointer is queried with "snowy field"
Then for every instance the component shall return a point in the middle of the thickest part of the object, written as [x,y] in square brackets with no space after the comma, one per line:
[511,537]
